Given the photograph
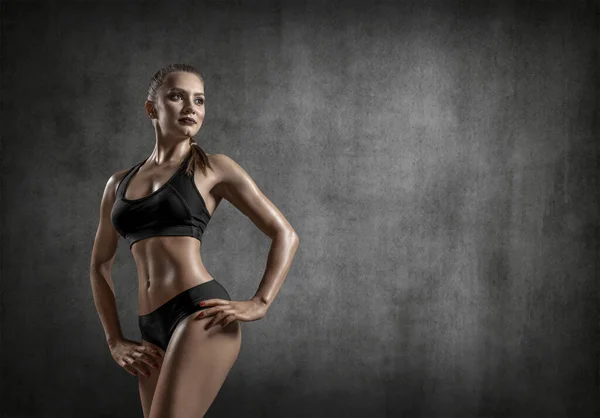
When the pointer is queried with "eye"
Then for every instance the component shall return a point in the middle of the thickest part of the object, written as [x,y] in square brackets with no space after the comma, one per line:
[200,100]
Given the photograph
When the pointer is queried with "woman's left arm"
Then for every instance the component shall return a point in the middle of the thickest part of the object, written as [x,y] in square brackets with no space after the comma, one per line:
[237,187]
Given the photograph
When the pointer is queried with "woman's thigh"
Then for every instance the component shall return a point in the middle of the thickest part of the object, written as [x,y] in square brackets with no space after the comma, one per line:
[147,385]
[194,368]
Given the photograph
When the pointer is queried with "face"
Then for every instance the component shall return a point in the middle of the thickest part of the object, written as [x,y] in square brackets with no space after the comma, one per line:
[181,95]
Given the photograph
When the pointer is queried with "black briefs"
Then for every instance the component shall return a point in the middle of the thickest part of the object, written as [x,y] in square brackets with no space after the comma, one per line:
[158,325]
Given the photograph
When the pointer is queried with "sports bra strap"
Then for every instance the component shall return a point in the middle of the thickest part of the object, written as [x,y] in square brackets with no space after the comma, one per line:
[125,180]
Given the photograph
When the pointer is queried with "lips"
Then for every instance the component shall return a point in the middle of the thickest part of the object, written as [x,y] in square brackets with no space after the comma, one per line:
[187,120]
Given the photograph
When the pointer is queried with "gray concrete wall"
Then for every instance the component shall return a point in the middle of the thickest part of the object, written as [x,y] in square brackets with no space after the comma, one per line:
[438,160]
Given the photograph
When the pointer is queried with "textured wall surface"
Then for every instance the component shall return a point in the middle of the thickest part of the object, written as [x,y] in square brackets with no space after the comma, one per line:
[438,160]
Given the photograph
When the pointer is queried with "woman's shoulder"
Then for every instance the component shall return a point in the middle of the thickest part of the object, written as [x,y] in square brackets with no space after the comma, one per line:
[115,179]
[222,162]
[228,170]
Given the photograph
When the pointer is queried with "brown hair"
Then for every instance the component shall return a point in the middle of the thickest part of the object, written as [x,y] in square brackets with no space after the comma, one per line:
[198,155]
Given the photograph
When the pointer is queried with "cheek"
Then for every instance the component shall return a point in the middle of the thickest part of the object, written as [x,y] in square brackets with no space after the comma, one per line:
[170,109]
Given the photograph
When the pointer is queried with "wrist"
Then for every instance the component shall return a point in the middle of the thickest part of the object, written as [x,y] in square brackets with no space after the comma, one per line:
[112,341]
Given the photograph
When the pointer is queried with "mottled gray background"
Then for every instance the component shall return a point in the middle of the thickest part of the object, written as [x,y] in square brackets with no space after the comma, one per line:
[437,159]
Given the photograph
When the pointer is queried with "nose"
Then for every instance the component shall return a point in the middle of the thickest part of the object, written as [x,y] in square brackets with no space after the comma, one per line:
[188,108]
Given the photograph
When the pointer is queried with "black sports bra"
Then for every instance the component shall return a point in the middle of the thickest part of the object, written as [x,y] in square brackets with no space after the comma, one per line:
[176,208]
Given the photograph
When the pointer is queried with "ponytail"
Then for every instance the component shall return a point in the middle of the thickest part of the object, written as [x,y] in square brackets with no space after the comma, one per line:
[199,158]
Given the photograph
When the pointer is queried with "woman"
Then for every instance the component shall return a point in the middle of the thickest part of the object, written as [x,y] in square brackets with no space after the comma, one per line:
[190,328]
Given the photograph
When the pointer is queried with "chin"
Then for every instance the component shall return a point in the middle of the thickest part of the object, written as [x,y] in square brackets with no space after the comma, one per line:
[189,130]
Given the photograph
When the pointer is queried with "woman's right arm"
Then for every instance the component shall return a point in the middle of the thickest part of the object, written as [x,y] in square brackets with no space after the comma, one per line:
[103,255]
[133,356]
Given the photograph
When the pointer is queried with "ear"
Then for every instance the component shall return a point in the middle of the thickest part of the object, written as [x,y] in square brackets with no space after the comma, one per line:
[150,109]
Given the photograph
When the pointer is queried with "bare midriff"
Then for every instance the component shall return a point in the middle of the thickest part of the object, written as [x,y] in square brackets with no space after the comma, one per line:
[167,266]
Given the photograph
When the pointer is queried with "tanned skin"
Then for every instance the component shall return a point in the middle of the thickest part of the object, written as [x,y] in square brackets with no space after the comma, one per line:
[183,381]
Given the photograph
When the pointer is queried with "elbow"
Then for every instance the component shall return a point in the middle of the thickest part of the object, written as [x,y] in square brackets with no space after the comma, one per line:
[288,234]
[102,269]
[293,237]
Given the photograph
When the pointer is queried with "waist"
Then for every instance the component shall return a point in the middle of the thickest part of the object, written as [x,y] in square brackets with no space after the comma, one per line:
[185,299]
[167,266]
[152,297]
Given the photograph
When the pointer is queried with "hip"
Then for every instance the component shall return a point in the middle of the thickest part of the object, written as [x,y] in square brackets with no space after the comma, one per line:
[153,296]
[187,299]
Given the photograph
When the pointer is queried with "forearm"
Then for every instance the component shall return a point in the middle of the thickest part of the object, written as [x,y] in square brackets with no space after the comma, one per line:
[105,301]
[279,260]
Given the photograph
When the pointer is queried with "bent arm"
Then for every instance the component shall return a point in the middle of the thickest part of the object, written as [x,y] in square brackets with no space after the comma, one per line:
[103,255]
[279,260]
[238,188]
